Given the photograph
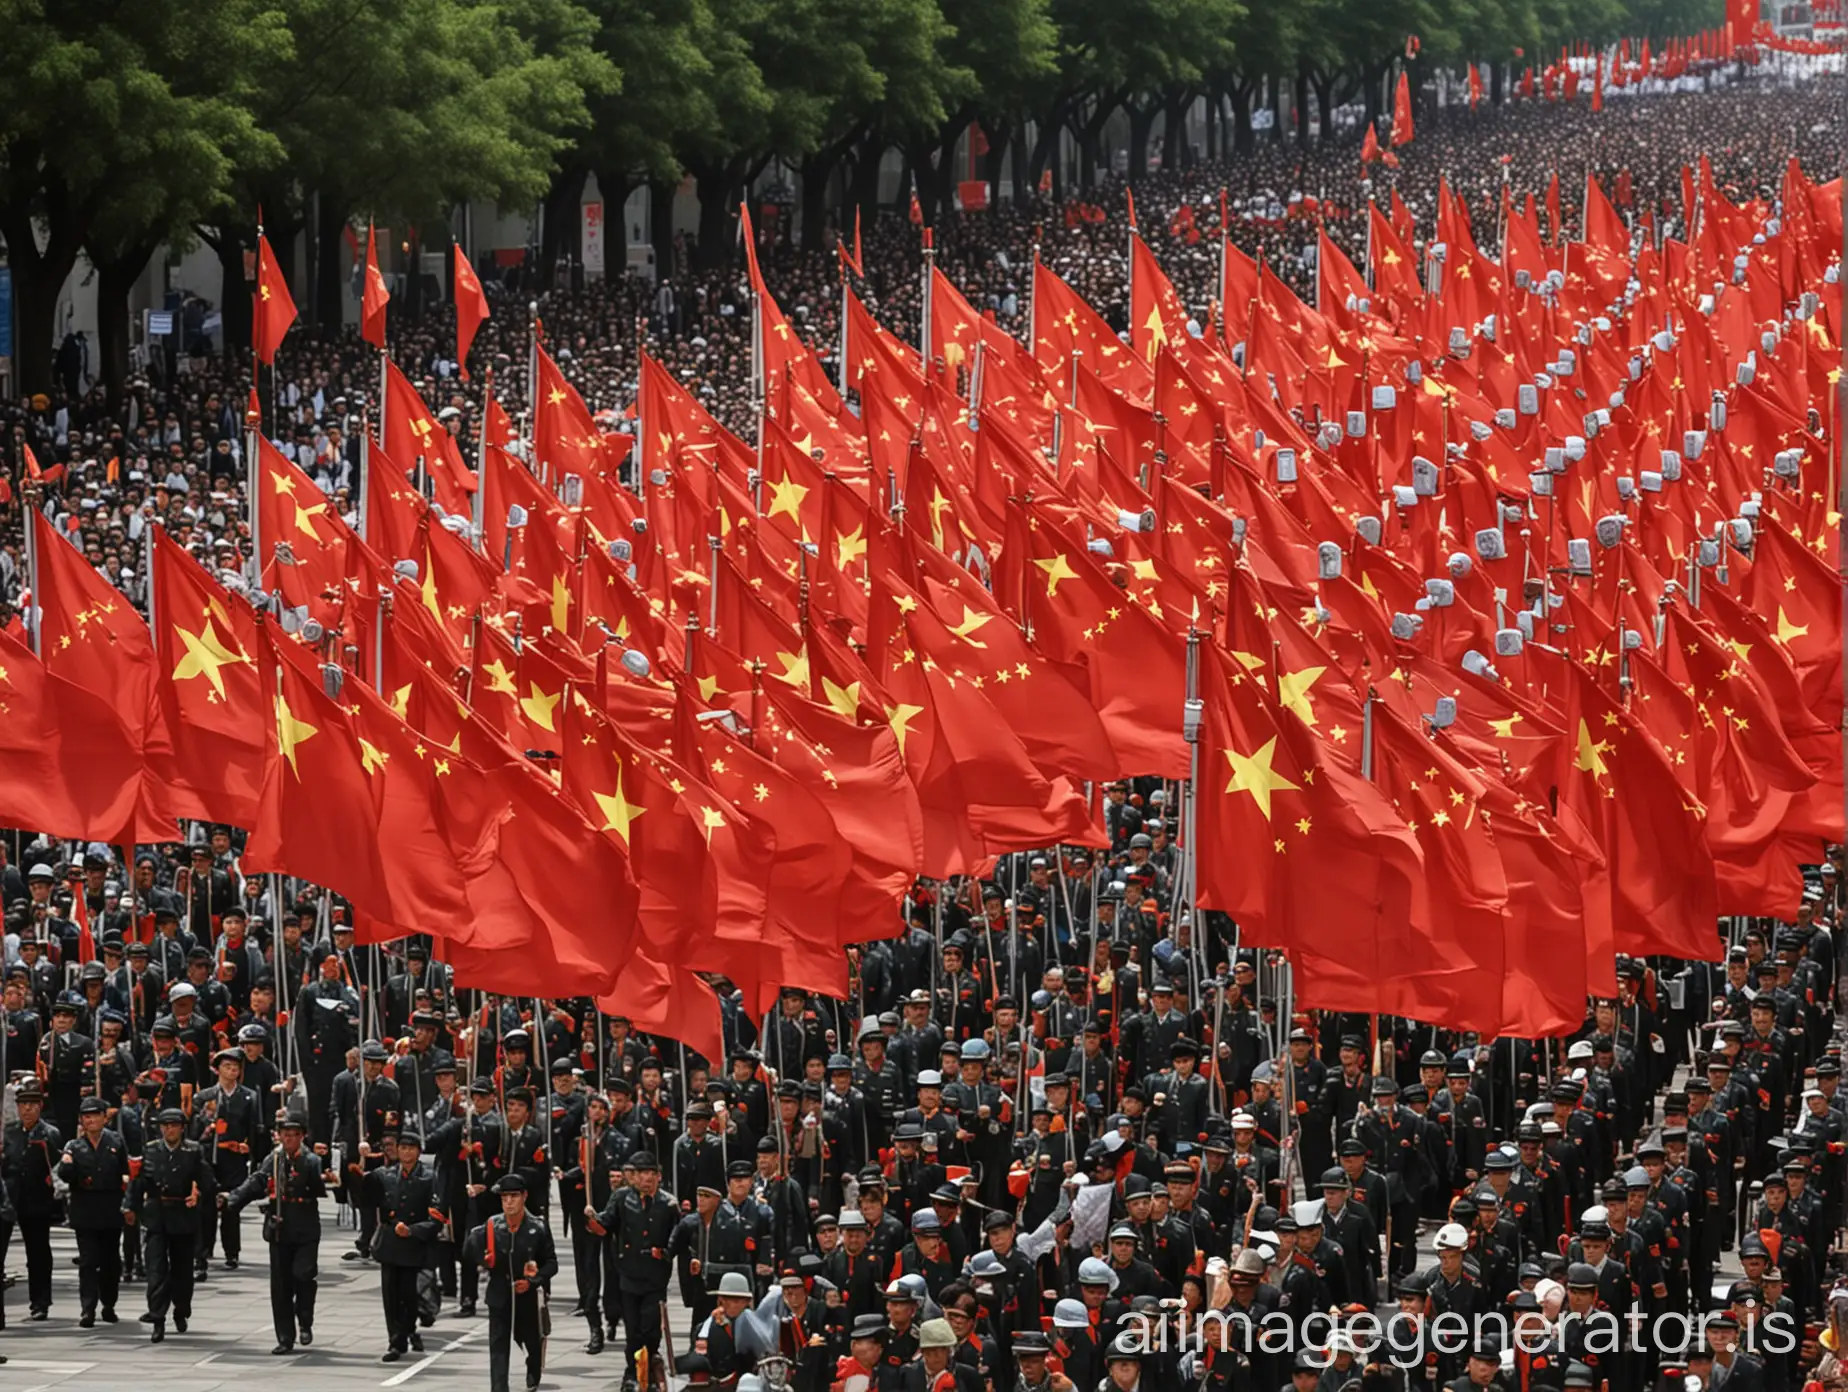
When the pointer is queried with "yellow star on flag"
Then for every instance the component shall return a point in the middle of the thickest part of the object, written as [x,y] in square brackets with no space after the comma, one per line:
[561,603]
[618,811]
[899,717]
[1590,755]
[795,668]
[786,498]
[1786,630]
[291,733]
[845,699]
[371,757]
[710,820]
[539,706]
[1252,773]
[1057,569]
[1293,692]
[849,547]
[205,654]
[972,620]
[499,678]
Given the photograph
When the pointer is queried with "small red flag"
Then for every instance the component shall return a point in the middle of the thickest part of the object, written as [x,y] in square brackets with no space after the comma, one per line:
[274,309]
[1597,87]
[1402,112]
[1370,147]
[1475,86]
[377,297]
[471,308]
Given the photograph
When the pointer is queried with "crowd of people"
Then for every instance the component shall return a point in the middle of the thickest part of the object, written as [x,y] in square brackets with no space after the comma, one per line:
[1058,1122]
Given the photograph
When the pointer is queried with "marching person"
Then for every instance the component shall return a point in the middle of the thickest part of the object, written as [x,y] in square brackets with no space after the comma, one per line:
[403,1197]
[640,1219]
[29,1156]
[171,1199]
[95,1168]
[228,1124]
[515,1248]
[291,1183]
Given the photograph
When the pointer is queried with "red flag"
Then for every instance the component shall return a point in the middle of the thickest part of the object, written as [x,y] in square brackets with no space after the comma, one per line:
[1475,86]
[208,685]
[1402,112]
[412,433]
[377,297]
[471,308]
[273,310]
[1306,855]
[1597,88]
[1370,146]
[67,766]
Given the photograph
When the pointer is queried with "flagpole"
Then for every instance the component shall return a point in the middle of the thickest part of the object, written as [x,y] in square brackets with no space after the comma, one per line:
[840,256]
[35,610]
[930,263]
[479,503]
[365,470]
[1193,712]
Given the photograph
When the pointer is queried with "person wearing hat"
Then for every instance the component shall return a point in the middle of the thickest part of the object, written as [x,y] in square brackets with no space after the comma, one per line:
[170,1199]
[959,1007]
[936,1360]
[326,1025]
[854,1269]
[257,1042]
[1453,1290]
[366,1108]
[228,1124]
[1394,1137]
[1123,1364]
[984,1122]
[1178,1098]
[715,1336]
[708,1244]
[67,1063]
[29,1152]
[515,1248]
[866,1355]
[1312,1098]
[95,1169]
[699,1158]
[291,1183]
[640,1220]
[407,1220]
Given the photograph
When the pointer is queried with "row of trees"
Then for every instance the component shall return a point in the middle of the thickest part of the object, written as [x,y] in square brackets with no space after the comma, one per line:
[132,128]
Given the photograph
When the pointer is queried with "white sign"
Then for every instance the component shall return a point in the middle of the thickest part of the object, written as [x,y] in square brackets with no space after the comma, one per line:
[160,323]
[593,239]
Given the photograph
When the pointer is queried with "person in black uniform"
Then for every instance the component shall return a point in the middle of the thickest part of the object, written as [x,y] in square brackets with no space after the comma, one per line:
[366,1109]
[95,1167]
[640,1220]
[403,1197]
[515,1248]
[29,1155]
[171,1199]
[291,1184]
[228,1124]
[67,1061]
[326,1024]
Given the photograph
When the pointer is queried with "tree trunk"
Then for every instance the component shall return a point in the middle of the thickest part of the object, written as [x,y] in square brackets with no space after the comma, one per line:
[1496,93]
[1241,118]
[816,172]
[718,190]
[1275,101]
[115,279]
[1045,147]
[616,189]
[1176,153]
[863,182]
[38,282]
[233,291]
[331,288]
[1302,107]
[1325,108]
[661,226]
[1141,126]
[563,234]
[1373,90]
[1087,158]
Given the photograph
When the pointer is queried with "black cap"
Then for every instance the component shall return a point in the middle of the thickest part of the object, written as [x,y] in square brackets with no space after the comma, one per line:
[512,1184]
[742,1169]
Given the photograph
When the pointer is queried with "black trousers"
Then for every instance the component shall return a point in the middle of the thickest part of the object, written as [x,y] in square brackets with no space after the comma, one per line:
[227,1224]
[294,1277]
[398,1284]
[99,1268]
[586,1261]
[34,1232]
[521,1323]
[641,1327]
[170,1258]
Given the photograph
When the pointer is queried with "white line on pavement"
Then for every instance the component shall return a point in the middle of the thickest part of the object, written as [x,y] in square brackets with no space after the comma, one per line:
[399,1379]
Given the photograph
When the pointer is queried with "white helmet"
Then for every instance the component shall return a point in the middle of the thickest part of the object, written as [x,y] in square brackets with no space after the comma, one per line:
[1451,1237]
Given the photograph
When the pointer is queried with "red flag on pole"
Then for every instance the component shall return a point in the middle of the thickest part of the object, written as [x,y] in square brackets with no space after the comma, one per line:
[1402,112]
[274,309]
[471,308]
[372,305]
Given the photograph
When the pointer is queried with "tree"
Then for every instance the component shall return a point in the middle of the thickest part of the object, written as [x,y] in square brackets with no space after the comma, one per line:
[672,52]
[400,109]
[121,121]
[1010,49]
